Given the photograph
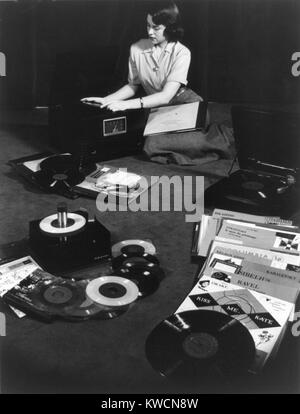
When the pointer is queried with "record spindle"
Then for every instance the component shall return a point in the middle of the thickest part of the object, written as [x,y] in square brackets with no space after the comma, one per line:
[62,215]
[62,218]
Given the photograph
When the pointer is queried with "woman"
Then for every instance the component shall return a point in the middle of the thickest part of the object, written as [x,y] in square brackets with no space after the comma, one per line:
[159,64]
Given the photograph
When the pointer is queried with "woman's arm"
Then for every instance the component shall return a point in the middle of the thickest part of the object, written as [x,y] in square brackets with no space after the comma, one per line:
[126,92]
[156,99]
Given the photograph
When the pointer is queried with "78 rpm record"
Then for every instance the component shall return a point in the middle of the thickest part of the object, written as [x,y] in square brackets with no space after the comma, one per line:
[200,345]
[133,246]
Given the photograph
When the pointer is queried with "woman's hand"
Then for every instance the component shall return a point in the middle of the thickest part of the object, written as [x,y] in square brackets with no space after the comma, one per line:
[95,101]
[118,106]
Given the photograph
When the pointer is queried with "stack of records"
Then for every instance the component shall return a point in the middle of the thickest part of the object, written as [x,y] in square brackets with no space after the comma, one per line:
[251,272]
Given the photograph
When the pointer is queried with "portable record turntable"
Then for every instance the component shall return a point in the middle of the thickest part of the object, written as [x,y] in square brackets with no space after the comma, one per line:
[108,135]
[66,241]
[268,151]
[57,173]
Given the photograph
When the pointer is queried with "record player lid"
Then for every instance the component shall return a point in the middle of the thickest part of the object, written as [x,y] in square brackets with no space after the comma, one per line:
[266,136]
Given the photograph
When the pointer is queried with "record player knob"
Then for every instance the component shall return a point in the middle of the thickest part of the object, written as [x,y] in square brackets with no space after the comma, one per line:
[291,180]
[62,214]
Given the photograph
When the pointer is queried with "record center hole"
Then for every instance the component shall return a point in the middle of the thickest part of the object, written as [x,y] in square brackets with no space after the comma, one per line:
[112,290]
[200,345]
[70,223]
[133,249]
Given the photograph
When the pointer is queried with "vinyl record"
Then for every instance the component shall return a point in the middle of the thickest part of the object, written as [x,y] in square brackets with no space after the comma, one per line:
[56,296]
[59,172]
[75,223]
[90,310]
[146,276]
[133,247]
[112,291]
[60,162]
[257,186]
[124,258]
[200,345]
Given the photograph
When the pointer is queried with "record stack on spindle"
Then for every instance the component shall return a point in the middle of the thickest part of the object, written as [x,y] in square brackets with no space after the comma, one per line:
[136,260]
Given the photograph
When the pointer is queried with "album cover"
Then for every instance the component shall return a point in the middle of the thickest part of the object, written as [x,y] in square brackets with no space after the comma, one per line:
[114,182]
[227,251]
[267,238]
[264,316]
[277,259]
[176,118]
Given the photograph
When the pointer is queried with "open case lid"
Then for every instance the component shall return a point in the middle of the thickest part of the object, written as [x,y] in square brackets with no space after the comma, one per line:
[266,136]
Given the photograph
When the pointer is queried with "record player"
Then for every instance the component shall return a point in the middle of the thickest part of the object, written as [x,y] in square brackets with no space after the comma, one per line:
[268,151]
[106,134]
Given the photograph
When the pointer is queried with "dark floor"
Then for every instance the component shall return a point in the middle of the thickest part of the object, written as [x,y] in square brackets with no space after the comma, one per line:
[108,356]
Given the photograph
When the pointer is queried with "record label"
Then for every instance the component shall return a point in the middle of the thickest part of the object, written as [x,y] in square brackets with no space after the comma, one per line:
[200,345]
[56,296]
[112,291]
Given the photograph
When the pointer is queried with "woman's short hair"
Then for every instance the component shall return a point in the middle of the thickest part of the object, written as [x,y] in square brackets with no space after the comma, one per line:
[167,13]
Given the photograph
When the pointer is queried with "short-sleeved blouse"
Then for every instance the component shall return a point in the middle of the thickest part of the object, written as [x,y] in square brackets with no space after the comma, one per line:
[144,69]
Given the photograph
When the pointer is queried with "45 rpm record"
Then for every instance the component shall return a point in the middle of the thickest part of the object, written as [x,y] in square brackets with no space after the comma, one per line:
[90,310]
[112,291]
[59,172]
[200,345]
[133,257]
[146,276]
[56,296]
[75,223]
[133,247]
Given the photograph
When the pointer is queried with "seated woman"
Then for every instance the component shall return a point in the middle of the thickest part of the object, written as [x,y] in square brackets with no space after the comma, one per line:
[159,64]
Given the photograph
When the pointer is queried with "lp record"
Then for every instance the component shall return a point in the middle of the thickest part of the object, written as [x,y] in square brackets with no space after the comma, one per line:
[59,172]
[200,345]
